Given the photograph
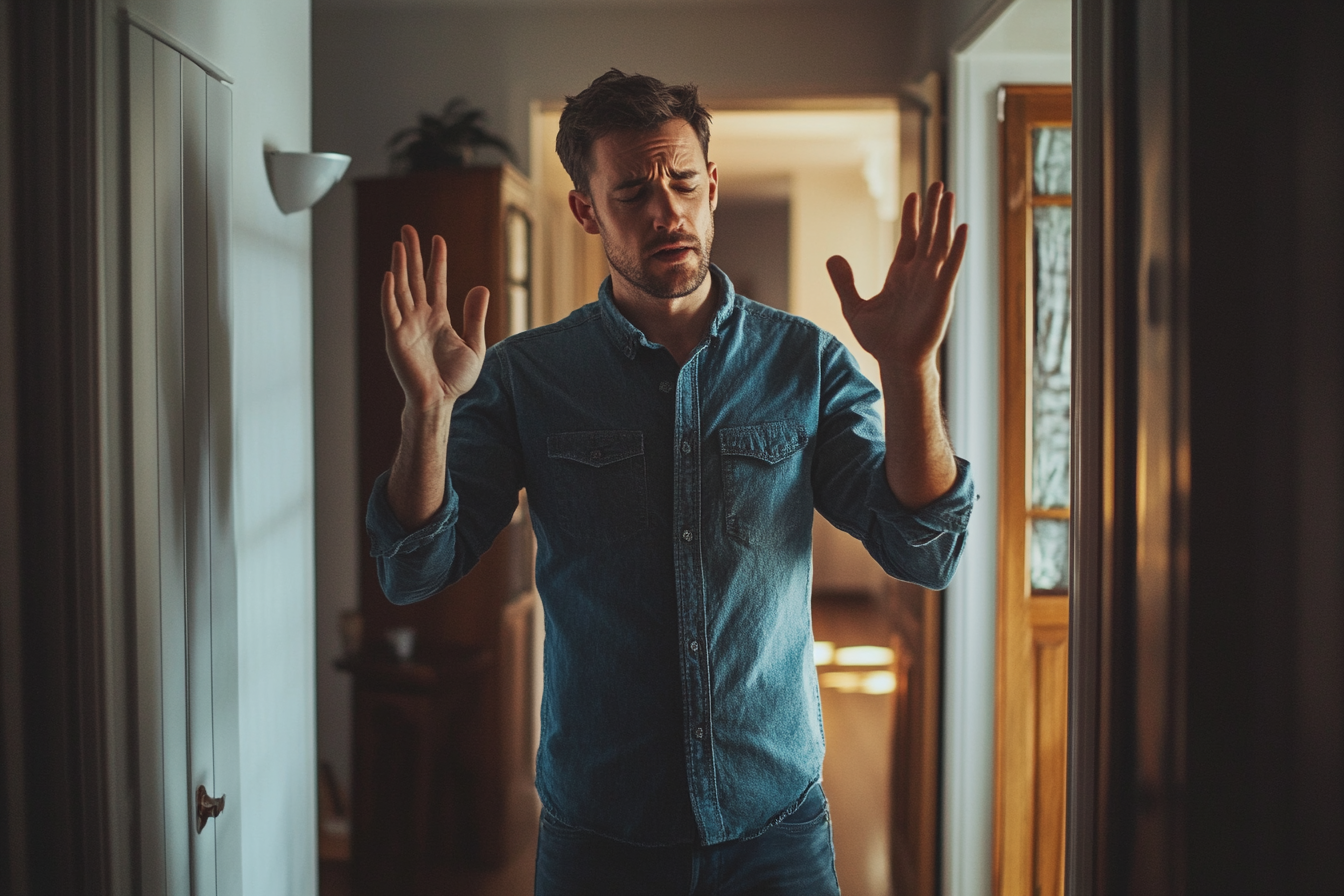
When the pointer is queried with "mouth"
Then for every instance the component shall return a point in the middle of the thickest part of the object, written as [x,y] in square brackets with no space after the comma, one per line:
[674,253]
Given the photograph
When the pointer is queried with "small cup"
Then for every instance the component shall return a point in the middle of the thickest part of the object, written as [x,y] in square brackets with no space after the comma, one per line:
[402,639]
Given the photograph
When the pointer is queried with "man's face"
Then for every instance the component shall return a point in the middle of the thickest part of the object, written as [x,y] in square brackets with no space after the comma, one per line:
[651,196]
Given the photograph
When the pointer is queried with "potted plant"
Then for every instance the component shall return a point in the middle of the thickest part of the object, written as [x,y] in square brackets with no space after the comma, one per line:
[447,140]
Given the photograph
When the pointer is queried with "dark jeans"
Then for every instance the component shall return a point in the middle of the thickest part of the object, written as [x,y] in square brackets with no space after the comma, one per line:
[795,856]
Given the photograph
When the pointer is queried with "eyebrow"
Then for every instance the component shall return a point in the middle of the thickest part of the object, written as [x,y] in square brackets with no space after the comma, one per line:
[688,174]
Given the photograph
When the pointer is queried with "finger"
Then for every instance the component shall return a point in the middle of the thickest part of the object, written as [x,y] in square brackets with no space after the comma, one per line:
[415,263]
[405,302]
[905,249]
[930,217]
[842,278]
[388,303]
[942,234]
[473,318]
[948,275]
[438,272]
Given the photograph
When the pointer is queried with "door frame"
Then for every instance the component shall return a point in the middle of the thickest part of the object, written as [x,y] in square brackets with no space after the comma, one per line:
[71,736]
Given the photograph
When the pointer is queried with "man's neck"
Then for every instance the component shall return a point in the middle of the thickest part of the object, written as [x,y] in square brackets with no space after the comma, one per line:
[676,324]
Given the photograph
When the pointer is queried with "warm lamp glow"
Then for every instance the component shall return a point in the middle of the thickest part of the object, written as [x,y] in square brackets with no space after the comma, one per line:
[864,655]
[881,682]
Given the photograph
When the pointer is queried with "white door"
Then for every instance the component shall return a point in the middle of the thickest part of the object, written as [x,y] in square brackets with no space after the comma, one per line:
[178,151]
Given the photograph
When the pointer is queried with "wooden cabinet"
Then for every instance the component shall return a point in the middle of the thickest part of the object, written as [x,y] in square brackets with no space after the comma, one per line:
[481,742]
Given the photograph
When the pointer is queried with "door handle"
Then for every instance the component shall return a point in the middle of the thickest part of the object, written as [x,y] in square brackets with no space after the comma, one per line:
[207,807]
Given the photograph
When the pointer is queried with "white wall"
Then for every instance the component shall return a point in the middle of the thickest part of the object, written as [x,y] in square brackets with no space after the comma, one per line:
[375,69]
[264,46]
[1029,43]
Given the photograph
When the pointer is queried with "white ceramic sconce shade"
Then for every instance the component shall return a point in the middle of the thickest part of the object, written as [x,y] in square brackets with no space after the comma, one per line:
[300,179]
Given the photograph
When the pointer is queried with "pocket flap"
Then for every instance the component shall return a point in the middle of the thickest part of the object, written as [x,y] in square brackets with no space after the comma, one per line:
[770,442]
[595,449]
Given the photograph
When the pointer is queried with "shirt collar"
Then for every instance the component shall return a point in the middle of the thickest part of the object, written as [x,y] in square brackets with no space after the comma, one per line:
[628,338]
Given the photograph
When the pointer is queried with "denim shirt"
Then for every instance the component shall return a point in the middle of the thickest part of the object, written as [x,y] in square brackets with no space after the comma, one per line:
[673,514]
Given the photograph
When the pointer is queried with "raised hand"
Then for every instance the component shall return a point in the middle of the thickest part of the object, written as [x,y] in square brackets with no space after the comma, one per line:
[434,365]
[904,324]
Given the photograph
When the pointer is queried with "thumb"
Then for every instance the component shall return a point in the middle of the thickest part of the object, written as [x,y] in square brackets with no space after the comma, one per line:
[842,278]
[473,318]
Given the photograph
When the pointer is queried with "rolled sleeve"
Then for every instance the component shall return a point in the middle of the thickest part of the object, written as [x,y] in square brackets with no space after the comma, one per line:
[922,546]
[949,514]
[387,538]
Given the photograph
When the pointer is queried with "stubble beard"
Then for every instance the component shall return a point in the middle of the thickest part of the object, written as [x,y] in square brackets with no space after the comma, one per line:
[672,285]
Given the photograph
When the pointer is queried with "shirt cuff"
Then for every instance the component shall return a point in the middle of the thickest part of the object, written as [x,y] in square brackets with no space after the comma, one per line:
[948,514]
[387,537]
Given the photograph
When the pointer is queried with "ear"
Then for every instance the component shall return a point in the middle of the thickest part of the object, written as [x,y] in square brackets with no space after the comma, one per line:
[713,186]
[582,208]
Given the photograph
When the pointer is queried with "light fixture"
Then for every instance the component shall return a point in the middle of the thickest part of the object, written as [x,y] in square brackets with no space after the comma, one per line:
[300,179]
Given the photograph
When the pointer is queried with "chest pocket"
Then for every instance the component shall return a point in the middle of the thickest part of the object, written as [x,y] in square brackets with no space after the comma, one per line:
[599,489]
[763,481]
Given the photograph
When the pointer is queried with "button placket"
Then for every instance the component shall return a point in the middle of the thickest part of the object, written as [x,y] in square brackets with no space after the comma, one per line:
[691,589]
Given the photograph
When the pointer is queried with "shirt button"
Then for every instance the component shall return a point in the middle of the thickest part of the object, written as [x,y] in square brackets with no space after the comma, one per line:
[665,386]
[695,647]
[699,733]
[685,447]
[687,535]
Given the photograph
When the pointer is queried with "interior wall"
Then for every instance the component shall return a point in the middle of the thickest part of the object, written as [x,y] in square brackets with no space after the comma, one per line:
[1030,42]
[751,244]
[264,46]
[375,69]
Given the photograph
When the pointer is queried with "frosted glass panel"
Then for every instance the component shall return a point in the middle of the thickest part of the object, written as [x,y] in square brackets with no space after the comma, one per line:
[1049,555]
[1050,359]
[1052,161]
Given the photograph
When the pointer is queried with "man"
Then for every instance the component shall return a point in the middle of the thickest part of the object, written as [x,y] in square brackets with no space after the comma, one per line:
[673,438]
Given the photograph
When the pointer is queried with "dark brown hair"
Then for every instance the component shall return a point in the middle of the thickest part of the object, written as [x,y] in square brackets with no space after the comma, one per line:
[616,101]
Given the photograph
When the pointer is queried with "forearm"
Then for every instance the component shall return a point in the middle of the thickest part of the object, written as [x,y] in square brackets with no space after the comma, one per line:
[919,462]
[416,483]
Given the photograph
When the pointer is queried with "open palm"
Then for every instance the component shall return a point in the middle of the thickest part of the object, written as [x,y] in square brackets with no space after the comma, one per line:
[434,365]
[904,324]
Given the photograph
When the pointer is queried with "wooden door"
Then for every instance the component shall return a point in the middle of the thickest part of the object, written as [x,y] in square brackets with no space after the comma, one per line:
[1031,691]
[179,140]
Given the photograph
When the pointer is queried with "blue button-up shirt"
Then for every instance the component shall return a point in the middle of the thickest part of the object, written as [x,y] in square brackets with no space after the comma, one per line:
[673,509]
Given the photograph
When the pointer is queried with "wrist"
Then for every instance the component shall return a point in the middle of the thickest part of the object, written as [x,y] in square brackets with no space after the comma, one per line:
[907,376]
[428,418]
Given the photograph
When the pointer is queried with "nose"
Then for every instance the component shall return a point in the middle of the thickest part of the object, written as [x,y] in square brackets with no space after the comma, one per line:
[667,207]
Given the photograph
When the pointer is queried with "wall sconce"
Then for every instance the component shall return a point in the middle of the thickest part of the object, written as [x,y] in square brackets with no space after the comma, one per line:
[300,179]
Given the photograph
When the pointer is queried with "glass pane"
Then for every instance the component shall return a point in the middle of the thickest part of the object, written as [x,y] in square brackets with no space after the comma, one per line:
[1049,555]
[1050,359]
[1052,161]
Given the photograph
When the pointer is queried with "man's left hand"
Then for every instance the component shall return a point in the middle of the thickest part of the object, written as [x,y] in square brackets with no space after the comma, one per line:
[904,324]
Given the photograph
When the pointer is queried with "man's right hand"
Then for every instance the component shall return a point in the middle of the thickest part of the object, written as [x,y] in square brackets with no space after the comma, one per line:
[434,365]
